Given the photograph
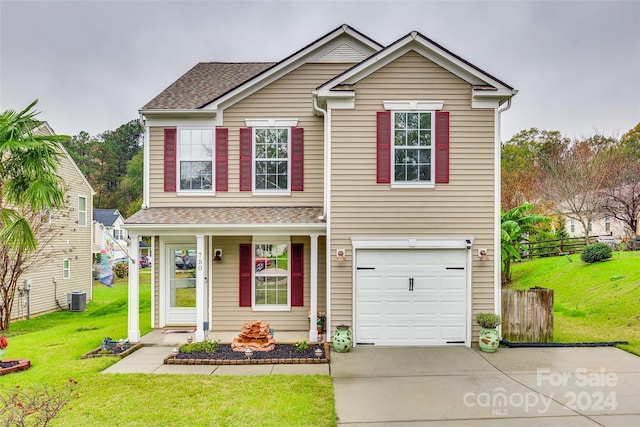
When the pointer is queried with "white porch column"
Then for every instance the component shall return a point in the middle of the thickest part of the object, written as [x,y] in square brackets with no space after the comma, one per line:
[134,290]
[313,305]
[200,291]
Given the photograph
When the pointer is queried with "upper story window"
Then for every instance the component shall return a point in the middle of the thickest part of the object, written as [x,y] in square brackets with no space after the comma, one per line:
[271,154]
[572,225]
[82,210]
[195,159]
[412,147]
[607,224]
[118,234]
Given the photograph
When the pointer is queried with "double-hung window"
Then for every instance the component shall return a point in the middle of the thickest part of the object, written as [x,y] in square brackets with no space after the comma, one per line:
[195,160]
[271,275]
[66,268]
[271,157]
[82,211]
[412,147]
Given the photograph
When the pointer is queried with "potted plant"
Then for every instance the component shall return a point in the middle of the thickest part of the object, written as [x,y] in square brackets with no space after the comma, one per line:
[489,339]
[4,343]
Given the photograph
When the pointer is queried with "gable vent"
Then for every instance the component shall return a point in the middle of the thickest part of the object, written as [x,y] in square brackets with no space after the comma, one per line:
[341,53]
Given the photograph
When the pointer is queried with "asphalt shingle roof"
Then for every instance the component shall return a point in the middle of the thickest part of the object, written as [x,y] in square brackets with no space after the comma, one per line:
[204,83]
[106,217]
[227,215]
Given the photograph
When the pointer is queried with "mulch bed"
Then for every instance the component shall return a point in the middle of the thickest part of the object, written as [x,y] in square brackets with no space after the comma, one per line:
[281,354]
[14,365]
[116,352]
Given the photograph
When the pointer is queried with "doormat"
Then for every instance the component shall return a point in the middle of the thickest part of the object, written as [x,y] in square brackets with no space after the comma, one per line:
[178,331]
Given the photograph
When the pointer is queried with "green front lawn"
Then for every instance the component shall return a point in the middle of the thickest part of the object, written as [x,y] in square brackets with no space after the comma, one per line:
[55,342]
[592,302]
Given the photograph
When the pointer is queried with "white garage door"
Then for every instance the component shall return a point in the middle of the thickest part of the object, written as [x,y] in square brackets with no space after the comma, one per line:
[411,297]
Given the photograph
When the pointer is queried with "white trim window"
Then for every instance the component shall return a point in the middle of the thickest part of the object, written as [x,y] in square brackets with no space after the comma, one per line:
[66,268]
[195,160]
[271,159]
[82,211]
[271,281]
[118,234]
[413,152]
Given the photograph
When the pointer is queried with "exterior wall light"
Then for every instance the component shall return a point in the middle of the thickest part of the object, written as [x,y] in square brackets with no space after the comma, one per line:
[340,255]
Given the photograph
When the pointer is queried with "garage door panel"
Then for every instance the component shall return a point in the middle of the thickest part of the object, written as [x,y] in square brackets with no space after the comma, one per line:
[388,312]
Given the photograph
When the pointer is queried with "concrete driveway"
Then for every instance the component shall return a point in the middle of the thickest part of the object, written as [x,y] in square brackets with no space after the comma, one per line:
[464,387]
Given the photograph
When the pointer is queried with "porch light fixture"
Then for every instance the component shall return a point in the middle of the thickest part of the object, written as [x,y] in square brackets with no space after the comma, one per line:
[482,254]
[340,255]
[218,255]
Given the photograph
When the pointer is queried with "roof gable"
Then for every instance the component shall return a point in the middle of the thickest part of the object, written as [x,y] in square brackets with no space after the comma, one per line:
[211,84]
[414,41]
[106,217]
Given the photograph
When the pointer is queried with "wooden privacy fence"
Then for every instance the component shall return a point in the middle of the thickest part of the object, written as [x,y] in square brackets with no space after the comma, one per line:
[527,315]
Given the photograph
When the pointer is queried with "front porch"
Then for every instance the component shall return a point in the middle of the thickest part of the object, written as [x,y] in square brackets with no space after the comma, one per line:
[216,277]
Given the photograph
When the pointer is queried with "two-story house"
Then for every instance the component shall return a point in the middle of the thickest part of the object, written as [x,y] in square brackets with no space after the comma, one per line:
[349,178]
[62,263]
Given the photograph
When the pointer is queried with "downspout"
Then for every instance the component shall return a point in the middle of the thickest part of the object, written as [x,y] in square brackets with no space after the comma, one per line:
[326,207]
[145,166]
[497,207]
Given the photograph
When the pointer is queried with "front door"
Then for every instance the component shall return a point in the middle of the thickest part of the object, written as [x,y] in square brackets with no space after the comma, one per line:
[181,284]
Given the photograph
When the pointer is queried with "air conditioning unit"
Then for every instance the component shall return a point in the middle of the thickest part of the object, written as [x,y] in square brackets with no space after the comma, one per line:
[77,301]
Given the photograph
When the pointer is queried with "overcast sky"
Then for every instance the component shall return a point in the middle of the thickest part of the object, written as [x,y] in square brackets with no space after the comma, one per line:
[93,64]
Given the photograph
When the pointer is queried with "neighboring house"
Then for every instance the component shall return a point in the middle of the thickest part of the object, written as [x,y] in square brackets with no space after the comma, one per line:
[112,221]
[349,178]
[62,265]
[604,226]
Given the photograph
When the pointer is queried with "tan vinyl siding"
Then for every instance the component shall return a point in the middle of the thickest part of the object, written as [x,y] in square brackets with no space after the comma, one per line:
[461,208]
[72,242]
[289,97]
[228,316]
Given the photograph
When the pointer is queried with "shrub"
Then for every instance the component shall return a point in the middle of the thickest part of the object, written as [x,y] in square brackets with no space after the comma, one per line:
[121,270]
[596,252]
[200,347]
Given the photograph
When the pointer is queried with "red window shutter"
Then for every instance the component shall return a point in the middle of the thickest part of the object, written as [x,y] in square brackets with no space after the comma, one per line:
[170,160]
[383,147]
[222,159]
[245,159]
[442,147]
[297,159]
[297,274]
[245,274]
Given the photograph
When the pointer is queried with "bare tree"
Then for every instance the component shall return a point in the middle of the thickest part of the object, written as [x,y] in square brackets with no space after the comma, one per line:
[575,176]
[621,199]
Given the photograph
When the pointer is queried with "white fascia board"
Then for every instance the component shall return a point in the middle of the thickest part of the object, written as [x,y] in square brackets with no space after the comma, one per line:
[286,66]
[413,105]
[187,122]
[265,123]
[337,100]
[227,229]
[411,243]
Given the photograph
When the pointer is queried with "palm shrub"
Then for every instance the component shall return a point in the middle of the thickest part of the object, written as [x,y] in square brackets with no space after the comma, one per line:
[516,224]
[596,252]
